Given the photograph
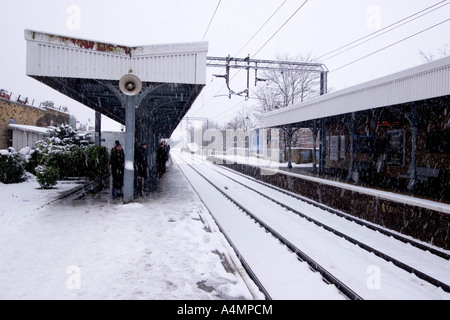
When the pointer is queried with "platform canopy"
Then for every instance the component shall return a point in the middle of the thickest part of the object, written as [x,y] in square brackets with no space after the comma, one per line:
[89,72]
[426,81]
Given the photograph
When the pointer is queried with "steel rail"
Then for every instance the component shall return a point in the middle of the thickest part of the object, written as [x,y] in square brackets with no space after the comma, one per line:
[246,266]
[344,289]
[346,216]
[368,248]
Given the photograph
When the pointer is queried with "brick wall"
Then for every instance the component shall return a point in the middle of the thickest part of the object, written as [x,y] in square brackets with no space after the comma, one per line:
[26,115]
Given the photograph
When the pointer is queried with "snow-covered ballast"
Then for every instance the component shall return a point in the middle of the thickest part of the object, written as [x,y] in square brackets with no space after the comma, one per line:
[391,133]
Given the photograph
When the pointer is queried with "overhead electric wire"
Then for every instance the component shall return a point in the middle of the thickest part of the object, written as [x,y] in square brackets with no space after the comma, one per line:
[284,24]
[254,35]
[276,32]
[342,47]
[377,51]
[267,21]
[225,114]
[219,116]
[204,36]
[391,45]
[378,31]
[212,18]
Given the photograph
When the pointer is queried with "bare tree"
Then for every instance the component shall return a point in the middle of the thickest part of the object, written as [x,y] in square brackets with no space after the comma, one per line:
[242,120]
[286,87]
[212,125]
[442,52]
[269,99]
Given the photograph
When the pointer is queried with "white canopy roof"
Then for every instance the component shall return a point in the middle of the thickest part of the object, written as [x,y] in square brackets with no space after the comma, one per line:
[426,81]
[172,75]
[61,56]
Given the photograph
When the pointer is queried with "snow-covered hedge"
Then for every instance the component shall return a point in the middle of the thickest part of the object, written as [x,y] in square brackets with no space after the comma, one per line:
[71,154]
[11,169]
[47,177]
[63,150]
[74,161]
[65,135]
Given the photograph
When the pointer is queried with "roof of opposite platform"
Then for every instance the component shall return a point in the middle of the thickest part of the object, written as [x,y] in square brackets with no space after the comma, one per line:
[426,81]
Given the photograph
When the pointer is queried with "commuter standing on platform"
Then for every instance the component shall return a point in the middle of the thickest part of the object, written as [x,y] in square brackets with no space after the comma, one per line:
[142,165]
[167,150]
[161,158]
[117,161]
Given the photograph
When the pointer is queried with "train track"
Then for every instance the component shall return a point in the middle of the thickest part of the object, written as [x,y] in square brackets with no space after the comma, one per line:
[356,238]
[79,192]
[413,242]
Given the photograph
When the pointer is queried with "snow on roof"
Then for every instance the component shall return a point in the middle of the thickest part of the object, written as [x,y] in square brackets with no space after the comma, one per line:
[53,55]
[28,128]
[425,81]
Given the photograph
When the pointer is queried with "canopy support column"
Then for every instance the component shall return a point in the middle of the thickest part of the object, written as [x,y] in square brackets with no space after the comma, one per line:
[130,124]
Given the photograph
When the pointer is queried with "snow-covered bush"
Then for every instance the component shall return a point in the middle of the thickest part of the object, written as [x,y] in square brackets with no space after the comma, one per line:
[97,164]
[65,135]
[72,160]
[76,161]
[31,161]
[71,154]
[46,176]
[61,159]
[62,154]
[11,169]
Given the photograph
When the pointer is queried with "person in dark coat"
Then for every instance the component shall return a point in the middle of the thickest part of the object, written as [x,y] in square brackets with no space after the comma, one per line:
[167,150]
[141,166]
[161,158]
[117,161]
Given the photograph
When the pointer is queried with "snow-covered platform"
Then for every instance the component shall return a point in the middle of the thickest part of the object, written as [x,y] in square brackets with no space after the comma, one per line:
[164,246]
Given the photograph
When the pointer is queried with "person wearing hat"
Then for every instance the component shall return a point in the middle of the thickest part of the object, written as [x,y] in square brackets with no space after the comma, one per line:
[117,162]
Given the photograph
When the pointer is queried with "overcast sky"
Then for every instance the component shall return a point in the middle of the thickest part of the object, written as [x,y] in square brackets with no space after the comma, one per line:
[319,27]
